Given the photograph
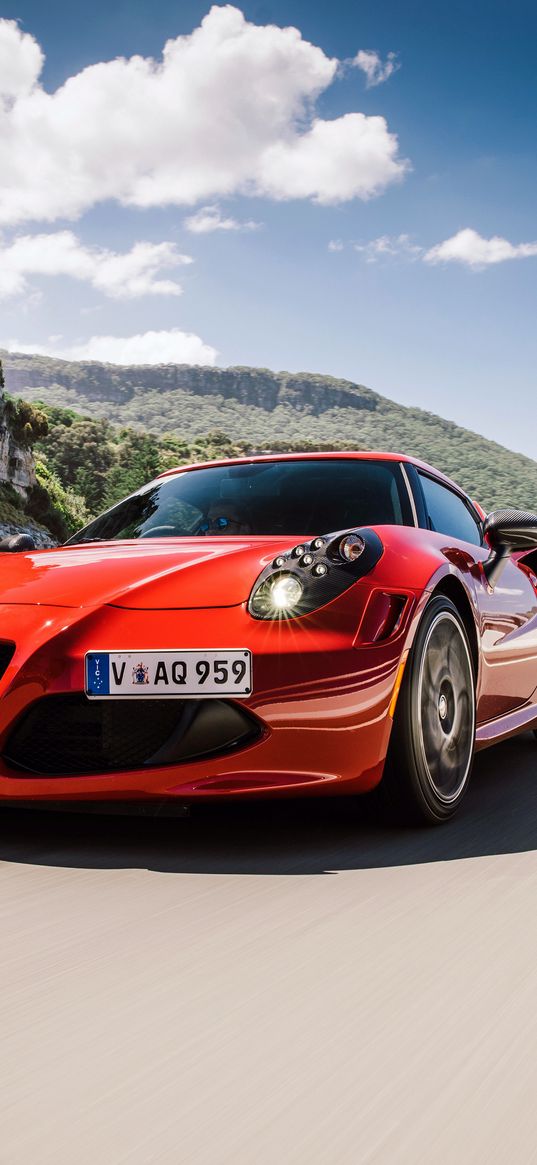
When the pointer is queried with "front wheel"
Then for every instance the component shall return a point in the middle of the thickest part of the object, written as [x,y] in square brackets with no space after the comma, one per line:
[432,747]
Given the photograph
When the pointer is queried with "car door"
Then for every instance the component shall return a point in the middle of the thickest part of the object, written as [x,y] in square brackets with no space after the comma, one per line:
[507,612]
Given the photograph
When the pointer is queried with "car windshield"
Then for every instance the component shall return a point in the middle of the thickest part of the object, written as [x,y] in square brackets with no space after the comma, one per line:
[259,498]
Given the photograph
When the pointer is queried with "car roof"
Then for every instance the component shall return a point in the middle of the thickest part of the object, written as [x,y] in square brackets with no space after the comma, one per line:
[339,454]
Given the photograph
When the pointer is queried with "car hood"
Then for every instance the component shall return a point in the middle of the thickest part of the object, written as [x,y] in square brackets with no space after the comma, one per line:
[143,575]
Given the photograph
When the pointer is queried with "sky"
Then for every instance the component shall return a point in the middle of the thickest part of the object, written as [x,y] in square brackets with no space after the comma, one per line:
[335,187]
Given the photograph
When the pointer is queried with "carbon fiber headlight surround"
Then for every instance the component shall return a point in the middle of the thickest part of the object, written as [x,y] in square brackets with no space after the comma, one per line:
[313,573]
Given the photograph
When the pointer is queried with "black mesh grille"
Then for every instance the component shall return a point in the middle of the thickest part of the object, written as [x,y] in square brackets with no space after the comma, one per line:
[70,735]
[7,651]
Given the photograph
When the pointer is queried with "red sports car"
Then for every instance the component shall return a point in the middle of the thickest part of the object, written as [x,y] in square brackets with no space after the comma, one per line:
[271,626]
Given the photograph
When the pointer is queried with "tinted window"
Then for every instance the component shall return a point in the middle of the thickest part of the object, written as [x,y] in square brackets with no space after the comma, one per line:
[274,497]
[448,514]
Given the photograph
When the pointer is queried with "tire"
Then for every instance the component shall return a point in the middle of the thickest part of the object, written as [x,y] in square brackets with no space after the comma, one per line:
[431,751]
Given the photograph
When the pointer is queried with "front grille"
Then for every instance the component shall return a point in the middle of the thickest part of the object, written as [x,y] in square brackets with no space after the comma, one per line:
[7,651]
[70,735]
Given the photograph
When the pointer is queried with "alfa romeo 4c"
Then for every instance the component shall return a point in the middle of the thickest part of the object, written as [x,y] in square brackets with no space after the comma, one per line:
[273,626]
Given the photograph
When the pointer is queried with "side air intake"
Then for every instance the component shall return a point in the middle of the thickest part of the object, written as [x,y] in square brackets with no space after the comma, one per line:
[7,651]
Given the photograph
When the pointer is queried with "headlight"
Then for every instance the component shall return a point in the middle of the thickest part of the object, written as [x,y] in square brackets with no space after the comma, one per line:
[285,592]
[313,573]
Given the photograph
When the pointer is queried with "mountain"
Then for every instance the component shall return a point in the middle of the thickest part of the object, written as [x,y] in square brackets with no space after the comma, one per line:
[264,407]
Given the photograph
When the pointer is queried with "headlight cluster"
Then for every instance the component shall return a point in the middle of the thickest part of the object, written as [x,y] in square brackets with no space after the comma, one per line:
[313,573]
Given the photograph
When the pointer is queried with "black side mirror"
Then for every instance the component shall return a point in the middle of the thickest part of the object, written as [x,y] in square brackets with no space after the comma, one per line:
[507,531]
[16,542]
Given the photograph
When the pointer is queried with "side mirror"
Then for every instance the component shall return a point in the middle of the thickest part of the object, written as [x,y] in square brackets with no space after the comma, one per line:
[507,531]
[17,542]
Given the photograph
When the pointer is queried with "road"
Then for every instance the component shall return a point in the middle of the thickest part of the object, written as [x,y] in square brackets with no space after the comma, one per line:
[273,985]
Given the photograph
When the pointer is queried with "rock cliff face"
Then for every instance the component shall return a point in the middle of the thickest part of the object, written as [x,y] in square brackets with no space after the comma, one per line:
[16,469]
[255,387]
[16,463]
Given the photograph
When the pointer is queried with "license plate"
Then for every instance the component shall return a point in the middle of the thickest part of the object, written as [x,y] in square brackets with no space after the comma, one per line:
[168,673]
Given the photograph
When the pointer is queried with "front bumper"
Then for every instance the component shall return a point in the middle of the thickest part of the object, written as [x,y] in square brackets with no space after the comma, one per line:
[320,703]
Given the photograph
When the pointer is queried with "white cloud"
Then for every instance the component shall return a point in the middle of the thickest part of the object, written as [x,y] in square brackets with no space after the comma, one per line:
[120,276]
[385,246]
[472,250]
[466,247]
[166,347]
[376,70]
[228,109]
[389,246]
[21,61]
[11,283]
[353,156]
[210,218]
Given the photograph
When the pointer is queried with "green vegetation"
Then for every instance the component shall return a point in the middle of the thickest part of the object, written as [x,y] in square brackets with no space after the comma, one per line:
[26,423]
[53,505]
[12,510]
[96,463]
[46,506]
[140,420]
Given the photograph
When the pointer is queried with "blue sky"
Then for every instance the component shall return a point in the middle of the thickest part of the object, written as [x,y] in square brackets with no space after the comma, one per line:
[297,272]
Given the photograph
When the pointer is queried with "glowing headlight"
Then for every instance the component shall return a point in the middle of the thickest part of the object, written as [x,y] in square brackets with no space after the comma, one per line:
[278,597]
[307,577]
[286,592]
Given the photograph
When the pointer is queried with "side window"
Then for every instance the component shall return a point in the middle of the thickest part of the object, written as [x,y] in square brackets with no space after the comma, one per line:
[448,513]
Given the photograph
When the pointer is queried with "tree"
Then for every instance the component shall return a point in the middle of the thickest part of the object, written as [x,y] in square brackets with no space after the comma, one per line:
[81,452]
[26,423]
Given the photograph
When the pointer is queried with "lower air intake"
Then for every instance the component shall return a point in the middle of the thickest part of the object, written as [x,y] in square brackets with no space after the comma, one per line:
[69,735]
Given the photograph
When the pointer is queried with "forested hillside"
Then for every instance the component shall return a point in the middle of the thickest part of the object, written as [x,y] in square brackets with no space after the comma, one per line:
[98,463]
[78,466]
[179,403]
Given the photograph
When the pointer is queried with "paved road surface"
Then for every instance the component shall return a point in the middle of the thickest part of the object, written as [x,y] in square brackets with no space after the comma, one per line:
[278,985]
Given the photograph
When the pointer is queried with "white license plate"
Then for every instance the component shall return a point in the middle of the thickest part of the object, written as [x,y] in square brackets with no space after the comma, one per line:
[168,673]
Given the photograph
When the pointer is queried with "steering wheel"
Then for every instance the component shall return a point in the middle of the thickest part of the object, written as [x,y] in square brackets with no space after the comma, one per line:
[157,530]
